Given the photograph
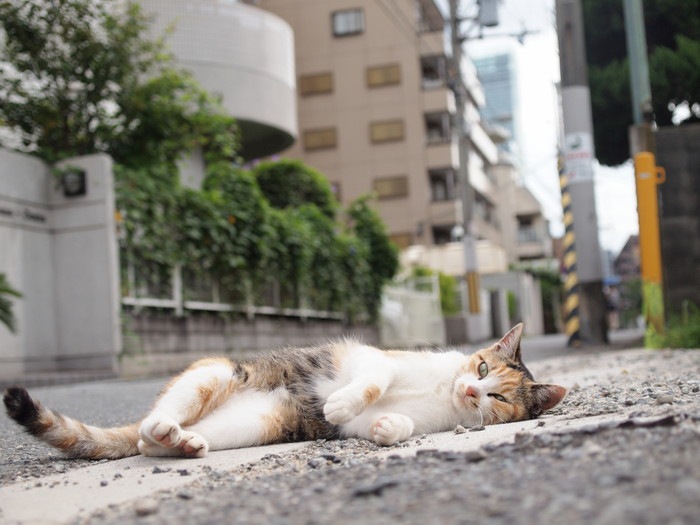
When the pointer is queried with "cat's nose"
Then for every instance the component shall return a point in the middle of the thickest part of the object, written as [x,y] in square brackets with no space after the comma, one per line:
[472,392]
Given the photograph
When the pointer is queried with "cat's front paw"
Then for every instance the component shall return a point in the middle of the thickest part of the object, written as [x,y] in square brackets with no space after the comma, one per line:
[392,428]
[160,430]
[341,407]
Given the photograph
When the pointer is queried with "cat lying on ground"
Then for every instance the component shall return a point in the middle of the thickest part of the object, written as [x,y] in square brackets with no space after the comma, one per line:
[340,389]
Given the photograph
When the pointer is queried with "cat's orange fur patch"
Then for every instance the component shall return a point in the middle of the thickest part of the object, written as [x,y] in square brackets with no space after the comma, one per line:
[371,394]
[274,424]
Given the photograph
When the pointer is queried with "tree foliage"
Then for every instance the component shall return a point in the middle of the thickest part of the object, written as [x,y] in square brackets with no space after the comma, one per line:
[383,254]
[673,40]
[7,317]
[291,183]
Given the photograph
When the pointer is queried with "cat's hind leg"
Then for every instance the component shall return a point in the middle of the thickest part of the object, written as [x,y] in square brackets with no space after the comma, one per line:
[250,418]
[203,387]
[191,446]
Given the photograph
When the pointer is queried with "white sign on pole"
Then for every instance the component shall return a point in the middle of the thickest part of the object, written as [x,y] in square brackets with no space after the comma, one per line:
[578,156]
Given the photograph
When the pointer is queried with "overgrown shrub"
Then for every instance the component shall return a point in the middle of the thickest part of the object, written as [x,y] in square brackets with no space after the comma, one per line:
[6,314]
[682,331]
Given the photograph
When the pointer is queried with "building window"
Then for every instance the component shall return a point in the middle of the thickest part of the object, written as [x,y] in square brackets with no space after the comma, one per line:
[320,139]
[401,240]
[438,127]
[348,22]
[433,71]
[391,187]
[485,210]
[443,184]
[316,84]
[383,75]
[387,131]
[442,234]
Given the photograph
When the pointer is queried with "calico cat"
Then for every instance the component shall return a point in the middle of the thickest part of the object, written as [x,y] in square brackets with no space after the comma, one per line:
[337,390]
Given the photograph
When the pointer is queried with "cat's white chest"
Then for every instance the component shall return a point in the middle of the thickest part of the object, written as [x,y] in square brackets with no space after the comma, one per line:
[416,385]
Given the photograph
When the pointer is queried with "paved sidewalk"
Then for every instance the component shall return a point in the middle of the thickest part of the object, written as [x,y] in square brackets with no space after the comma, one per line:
[634,390]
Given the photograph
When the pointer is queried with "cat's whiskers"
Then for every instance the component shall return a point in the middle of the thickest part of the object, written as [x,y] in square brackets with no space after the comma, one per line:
[493,415]
[481,415]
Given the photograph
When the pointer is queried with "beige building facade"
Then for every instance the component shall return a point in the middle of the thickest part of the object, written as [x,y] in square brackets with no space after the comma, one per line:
[375,114]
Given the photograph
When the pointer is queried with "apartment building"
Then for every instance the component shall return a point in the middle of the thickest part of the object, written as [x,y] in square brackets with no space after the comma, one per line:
[375,113]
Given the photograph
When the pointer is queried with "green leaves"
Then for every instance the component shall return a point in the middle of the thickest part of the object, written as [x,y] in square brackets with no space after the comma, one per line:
[6,291]
[289,183]
[673,44]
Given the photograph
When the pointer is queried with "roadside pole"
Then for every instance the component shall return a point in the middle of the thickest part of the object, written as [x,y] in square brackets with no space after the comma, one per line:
[647,174]
[466,190]
[579,154]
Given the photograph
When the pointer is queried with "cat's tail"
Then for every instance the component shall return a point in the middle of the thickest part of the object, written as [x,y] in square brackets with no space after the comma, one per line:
[76,439]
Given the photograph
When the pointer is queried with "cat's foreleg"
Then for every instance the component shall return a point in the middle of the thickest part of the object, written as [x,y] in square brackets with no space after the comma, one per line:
[197,391]
[346,403]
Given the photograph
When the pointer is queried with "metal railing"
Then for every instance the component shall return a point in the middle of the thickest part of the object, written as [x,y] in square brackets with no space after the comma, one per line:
[180,295]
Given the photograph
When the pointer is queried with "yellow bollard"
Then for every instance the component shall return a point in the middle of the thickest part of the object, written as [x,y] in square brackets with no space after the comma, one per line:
[647,176]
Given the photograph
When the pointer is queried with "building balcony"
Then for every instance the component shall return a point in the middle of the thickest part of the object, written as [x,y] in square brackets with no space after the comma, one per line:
[244,54]
[442,155]
[430,17]
[445,212]
[438,99]
[487,230]
[532,243]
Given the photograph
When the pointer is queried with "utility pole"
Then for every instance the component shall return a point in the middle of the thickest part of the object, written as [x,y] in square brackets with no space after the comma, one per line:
[456,83]
[578,159]
[647,175]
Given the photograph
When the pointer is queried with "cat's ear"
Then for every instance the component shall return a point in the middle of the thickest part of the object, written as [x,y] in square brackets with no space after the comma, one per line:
[546,396]
[510,343]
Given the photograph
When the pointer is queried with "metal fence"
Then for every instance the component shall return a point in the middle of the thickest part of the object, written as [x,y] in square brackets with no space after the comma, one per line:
[147,285]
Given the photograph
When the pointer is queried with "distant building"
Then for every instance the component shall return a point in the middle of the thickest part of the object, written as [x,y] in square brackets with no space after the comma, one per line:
[627,263]
[498,76]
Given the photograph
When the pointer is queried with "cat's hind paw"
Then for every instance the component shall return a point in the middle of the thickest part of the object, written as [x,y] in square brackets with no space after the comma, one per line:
[160,430]
[193,445]
[392,428]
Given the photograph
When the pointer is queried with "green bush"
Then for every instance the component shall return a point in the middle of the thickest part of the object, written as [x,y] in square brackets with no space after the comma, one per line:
[231,234]
[290,183]
[6,291]
[682,331]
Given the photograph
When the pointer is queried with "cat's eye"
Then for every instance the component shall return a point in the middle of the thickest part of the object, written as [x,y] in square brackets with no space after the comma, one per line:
[483,370]
[499,397]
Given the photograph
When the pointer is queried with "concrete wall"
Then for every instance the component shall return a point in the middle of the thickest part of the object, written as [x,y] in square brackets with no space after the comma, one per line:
[678,152]
[61,254]
[163,344]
